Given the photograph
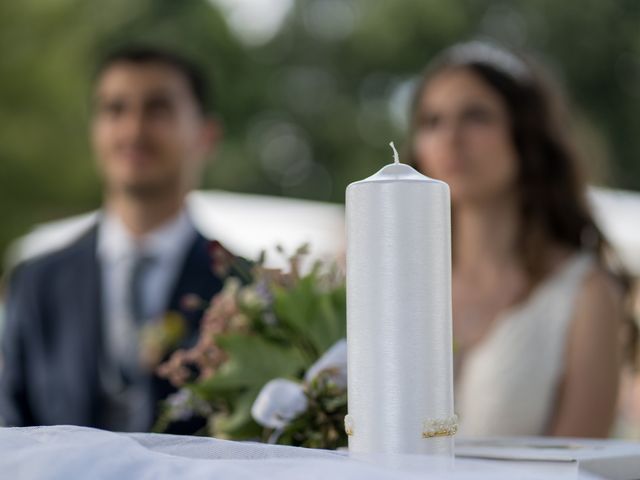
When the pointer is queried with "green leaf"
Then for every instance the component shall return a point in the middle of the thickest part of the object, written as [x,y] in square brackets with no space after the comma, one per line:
[238,424]
[252,362]
[318,317]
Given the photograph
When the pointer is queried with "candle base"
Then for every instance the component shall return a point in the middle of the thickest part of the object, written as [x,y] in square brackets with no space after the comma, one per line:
[435,446]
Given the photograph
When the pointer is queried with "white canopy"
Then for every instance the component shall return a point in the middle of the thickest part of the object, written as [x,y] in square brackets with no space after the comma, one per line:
[248,224]
[245,224]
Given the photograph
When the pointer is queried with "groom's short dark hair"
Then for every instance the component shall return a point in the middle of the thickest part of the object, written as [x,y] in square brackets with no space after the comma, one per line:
[200,86]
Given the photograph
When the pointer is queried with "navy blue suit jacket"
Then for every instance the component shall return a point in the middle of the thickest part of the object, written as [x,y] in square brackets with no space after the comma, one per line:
[52,339]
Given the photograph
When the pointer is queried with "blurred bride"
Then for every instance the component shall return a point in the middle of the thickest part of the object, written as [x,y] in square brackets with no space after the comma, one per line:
[537,313]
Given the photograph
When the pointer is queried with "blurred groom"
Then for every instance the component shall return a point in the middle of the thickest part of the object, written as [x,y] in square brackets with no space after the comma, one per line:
[70,347]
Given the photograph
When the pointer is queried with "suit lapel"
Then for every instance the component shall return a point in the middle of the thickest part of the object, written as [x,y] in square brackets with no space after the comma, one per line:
[196,277]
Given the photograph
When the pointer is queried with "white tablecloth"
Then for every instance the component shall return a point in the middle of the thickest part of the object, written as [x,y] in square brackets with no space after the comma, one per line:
[66,452]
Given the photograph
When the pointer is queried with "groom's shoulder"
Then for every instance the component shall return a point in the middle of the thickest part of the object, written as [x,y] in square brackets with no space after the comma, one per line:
[50,245]
[47,266]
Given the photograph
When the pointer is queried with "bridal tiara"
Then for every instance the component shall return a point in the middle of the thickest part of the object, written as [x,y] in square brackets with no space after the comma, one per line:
[484,52]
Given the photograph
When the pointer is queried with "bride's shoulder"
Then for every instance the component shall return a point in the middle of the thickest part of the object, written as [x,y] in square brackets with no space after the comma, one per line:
[600,301]
[596,287]
[601,290]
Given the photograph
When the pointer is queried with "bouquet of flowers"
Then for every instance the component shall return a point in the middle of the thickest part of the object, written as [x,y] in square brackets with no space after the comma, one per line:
[270,361]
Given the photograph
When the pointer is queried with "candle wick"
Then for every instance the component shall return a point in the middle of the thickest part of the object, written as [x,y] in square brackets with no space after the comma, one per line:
[396,157]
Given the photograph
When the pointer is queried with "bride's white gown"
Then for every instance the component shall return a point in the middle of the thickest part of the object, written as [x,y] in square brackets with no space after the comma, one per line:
[508,383]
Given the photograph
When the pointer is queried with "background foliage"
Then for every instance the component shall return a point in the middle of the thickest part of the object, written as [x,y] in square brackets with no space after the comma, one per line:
[310,105]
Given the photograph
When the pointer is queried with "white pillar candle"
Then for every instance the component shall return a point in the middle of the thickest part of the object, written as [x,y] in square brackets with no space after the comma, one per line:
[400,372]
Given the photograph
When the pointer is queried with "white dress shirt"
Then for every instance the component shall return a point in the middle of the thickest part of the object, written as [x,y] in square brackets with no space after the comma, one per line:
[117,251]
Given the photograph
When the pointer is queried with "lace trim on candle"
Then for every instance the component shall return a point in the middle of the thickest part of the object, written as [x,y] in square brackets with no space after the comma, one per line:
[440,427]
[348,425]
[433,427]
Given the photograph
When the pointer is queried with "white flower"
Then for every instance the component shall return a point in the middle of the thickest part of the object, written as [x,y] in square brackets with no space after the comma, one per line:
[279,402]
[183,405]
[335,360]
[250,298]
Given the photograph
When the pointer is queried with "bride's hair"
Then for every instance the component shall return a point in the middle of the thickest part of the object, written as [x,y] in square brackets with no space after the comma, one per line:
[551,187]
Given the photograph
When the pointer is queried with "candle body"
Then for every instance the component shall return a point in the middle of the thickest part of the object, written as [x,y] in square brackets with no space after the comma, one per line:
[400,372]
